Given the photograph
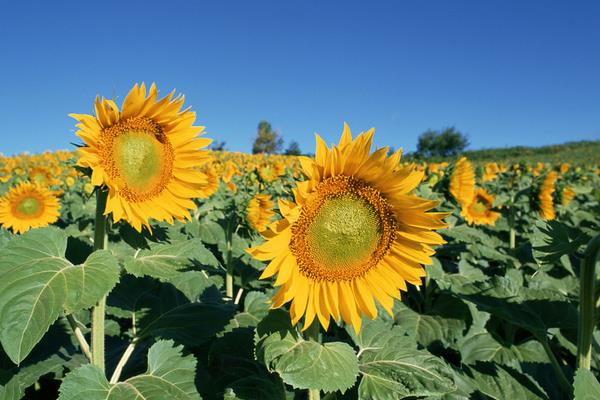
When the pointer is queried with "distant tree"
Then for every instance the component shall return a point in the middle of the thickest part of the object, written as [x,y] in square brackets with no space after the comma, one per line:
[267,140]
[293,149]
[217,146]
[445,143]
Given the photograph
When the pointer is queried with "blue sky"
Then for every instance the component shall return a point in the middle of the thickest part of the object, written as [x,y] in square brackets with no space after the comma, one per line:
[504,72]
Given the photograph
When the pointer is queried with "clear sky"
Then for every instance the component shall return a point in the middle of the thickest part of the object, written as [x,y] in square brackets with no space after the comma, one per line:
[504,72]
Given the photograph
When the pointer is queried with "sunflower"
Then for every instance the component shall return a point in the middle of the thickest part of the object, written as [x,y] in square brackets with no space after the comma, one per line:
[354,234]
[462,182]
[145,154]
[567,196]
[490,171]
[42,176]
[260,211]
[545,196]
[479,211]
[210,181]
[27,206]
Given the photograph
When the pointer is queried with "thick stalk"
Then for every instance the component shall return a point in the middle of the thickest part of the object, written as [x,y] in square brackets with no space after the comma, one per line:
[99,310]
[562,379]
[312,333]
[512,234]
[512,238]
[83,344]
[587,302]
[229,257]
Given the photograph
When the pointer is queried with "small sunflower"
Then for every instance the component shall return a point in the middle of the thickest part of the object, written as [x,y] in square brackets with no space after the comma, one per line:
[567,196]
[146,154]
[260,211]
[462,182]
[479,211]
[210,181]
[42,176]
[545,196]
[354,235]
[27,206]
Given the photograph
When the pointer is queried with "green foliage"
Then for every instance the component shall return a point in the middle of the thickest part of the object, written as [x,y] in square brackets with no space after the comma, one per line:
[37,284]
[304,364]
[293,149]
[392,367]
[489,321]
[170,375]
[267,140]
[586,386]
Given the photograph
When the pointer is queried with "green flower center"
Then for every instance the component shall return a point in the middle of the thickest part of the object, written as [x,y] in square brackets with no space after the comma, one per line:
[29,206]
[345,232]
[344,229]
[479,207]
[138,158]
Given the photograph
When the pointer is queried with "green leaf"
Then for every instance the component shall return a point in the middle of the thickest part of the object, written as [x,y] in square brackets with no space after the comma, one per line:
[586,385]
[37,284]
[392,367]
[501,383]
[427,329]
[304,364]
[165,260]
[483,347]
[169,376]
[233,366]
[554,239]
[256,307]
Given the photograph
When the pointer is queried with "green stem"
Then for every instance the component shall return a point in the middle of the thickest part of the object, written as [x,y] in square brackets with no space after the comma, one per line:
[312,333]
[229,263]
[119,368]
[83,344]
[586,304]
[562,379]
[99,310]
[513,237]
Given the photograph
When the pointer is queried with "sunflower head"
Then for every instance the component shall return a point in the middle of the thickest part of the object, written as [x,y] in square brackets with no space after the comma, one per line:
[260,211]
[462,182]
[27,206]
[567,196]
[354,236]
[145,153]
[479,211]
[545,196]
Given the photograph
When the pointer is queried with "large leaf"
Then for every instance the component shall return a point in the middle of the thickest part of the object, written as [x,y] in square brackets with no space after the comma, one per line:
[256,307]
[427,329]
[169,376]
[232,365]
[393,368]
[162,311]
[586,386]
[536,310]
[165,260]
[301,363]
[483,347]
[52,356]
[37,284]
[501,383]
[554,240]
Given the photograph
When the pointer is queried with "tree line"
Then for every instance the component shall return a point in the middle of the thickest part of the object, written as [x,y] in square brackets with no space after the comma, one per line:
[446,142]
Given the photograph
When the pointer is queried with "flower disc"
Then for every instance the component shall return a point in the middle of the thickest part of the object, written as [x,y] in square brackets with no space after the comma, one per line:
[343,230]
[146,154]
[355,234]
[479,211]
[27,206]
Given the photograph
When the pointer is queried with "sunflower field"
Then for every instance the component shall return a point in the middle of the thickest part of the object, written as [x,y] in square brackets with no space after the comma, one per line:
[144,266]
